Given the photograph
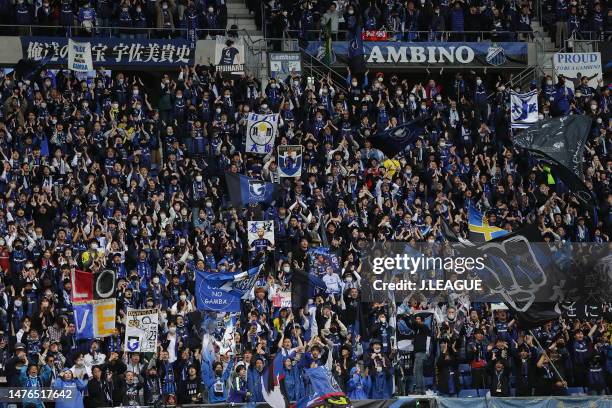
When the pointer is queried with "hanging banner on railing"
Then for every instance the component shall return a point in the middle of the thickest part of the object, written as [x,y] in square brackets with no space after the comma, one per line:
[575,66]
[109,52]
[282,64]
[448,54]
[79,56]
[229,55]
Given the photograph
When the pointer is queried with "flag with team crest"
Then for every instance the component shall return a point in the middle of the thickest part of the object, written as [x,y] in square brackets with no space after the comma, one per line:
[244,190]
[524,109]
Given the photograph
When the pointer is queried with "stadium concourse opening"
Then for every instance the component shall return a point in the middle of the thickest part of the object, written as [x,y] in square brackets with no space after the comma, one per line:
[196,196]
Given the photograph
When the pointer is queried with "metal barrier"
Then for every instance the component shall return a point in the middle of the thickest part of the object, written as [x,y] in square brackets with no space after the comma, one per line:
[110,31]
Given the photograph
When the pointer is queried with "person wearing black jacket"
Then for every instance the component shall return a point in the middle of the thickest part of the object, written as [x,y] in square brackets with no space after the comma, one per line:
[524,366]
[421,334]
[99,390]
[499,377]
[447,371]
[13,365]
[190,390]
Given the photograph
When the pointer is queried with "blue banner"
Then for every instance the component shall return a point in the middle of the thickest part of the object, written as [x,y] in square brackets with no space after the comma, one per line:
[221,292]
[83,320]
[109,52]
[506,54]
[543,402]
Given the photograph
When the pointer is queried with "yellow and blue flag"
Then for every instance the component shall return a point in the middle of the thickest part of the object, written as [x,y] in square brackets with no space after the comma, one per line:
[480,230]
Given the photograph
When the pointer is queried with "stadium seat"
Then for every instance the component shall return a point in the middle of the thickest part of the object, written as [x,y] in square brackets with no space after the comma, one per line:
[466,380]
[573,391]
[468,393]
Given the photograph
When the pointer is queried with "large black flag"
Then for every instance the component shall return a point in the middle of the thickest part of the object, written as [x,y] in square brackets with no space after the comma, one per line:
[562,139]
[560,143]
[520,271]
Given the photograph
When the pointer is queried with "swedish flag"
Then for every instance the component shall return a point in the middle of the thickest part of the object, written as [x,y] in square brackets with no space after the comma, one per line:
[480,230]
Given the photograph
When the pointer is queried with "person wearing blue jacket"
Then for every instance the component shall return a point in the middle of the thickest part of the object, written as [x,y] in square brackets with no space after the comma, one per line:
[31,380]
[215,378]
[358,386]
[293,370]
[67,382]
[254,380]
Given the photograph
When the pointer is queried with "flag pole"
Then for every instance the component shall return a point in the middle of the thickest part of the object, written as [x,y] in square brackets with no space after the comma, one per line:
[547,356]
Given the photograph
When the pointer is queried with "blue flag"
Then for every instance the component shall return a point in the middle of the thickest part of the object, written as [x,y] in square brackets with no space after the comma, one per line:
[324,390]
[394,141]
[480,230]
[221,292]
[244,190]
[83,320]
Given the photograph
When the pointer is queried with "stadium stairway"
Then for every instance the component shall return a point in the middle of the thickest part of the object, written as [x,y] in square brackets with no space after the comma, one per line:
[238,14]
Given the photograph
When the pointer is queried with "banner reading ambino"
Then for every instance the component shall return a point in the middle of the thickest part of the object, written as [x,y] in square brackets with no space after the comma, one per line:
[457,54]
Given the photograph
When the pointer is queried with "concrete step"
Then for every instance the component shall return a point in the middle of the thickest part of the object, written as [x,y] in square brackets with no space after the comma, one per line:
[239,14]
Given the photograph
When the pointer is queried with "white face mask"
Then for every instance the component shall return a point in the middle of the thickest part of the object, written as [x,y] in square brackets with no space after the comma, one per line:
[218,110]
[18,303]
[549,82]
[286,268]
[479,82]
[198,178]
[208,204]
[156,280]
[134,222]
[183,297]
[172,330]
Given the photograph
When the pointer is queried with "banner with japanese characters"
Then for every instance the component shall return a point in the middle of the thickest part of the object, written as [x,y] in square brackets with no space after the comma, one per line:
[141,330]
[229,55]
[260,235]
[112,52]
[79,56]
[261,131]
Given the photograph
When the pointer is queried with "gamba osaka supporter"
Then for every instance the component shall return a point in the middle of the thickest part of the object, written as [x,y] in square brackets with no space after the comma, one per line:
[140,187]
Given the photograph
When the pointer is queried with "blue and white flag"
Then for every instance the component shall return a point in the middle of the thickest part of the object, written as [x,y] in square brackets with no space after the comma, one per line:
[221,292]
[83,319]
[244,190]
[524,109]
[290,160]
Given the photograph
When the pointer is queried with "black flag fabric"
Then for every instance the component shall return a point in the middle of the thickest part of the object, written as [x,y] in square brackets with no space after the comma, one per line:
[562,139]
[520,271]
[560,143]
[393,141]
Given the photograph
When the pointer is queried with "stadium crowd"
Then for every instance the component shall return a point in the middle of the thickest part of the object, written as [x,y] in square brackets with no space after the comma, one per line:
[96,165]
[422,20]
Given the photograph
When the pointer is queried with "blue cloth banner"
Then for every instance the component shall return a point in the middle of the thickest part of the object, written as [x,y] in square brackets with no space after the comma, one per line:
[432,53]
[545,402]
[83,319]
[221,292]
[109,52]
[244,190]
